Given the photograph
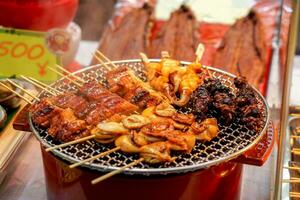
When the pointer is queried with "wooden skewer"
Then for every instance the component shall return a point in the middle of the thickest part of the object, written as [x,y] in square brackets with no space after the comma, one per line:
[37,85]
[107,60]
[165,54]
[71,142]
[199,52]
[101,62]
[290,180]
[145,58]
[110,174]
[294,196]
[16,93]
[43,84]
[291,167]
[16,85]
[71,74]
[295,193]
[95,157]
[61,74]
[295,152]
[295,136]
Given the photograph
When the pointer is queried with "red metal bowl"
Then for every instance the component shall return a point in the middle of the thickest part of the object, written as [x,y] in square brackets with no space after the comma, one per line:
[39,15]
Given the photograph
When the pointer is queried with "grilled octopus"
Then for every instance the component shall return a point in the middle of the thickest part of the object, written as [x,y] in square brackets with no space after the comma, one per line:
[170,78]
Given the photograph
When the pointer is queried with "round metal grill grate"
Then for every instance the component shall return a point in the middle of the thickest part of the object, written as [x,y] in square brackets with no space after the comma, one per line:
[232,140]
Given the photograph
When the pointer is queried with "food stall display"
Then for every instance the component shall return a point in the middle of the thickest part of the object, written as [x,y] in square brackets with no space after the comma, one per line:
[150,116]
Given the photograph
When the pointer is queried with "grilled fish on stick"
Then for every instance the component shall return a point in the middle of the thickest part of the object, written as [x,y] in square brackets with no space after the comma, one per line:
[124,82]
[65,126]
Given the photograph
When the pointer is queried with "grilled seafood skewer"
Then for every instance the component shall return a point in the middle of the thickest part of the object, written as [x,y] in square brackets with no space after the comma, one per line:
[169,77]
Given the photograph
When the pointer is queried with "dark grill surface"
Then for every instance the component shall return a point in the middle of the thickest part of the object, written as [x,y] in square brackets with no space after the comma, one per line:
[232,140]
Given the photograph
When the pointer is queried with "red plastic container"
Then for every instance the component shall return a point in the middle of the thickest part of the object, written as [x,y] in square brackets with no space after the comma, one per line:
[39,15]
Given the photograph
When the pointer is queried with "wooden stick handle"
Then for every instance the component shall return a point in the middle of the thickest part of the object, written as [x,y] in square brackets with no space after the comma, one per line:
[37,85]
[16,85]
[110,174]
[95,157]
[70,73]
[290,180]
[70,143]
[16,93]
[61,74]
[101,62]
[199,52]
[107,60]
[44,85]
[295,136]
[291,167]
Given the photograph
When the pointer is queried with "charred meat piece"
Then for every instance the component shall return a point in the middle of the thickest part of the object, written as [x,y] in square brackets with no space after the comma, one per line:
[248,109]
[70,100]
[65,126]
[224,107]
[213,98]
[214,85]
[105,104]
[245,94]
[42,112]
[200,102]
[123,82]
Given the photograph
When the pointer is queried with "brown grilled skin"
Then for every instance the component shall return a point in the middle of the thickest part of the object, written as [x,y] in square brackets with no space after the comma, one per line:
[121,83]
[179,36]
[243,50]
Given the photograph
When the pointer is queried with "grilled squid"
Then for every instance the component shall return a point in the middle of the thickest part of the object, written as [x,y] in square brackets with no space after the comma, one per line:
[107,132]
[135,121]
[170,78]
[156,153]
[206,130]
[126,144]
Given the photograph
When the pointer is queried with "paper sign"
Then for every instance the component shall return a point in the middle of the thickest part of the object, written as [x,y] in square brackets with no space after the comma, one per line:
[25,52]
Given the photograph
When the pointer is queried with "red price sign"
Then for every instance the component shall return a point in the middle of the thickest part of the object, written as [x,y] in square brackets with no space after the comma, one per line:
[23,52]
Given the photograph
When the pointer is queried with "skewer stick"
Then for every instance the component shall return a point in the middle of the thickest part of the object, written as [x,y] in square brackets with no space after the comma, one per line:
[70,143]
[69,73]
[101,62]
[95,157]
[291,167]
[297,193]
[295,152]
[61,74]
[37,85]
[199,52]
[110,174]
[16,85]
[294,195]
[16,93]
[43,84]
[295,136]
[107,59]
[290,180]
